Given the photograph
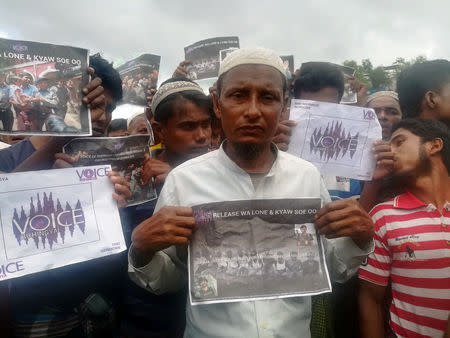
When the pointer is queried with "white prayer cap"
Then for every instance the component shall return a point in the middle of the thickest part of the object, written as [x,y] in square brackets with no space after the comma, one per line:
[252,56]
[382,93]
[170,88]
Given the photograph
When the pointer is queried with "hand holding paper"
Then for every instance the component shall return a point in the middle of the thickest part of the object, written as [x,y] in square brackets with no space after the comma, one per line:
[169,226]
[345,217]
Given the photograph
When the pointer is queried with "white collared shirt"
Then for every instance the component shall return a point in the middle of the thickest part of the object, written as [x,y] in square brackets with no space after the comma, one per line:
[214,177]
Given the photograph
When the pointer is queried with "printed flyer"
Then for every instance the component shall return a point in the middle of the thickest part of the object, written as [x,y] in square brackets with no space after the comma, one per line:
[55,218]
[256,249]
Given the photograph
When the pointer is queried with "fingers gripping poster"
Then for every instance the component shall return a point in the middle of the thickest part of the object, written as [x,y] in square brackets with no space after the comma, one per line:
[54,218]
[257,249]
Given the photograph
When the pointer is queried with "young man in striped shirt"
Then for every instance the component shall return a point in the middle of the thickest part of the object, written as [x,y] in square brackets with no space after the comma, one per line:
[412,239]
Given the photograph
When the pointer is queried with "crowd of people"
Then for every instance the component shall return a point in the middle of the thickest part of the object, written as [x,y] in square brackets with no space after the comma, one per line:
[29,105]
[386,241]
[136,87]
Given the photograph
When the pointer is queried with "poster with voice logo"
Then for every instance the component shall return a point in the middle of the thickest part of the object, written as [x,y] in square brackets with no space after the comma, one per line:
[40,89]
[54,218]
[126,155]
[206,55]
[336,138]
[256,249]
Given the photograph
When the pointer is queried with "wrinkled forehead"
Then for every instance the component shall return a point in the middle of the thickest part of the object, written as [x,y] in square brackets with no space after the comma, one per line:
[251,75]
[402,132]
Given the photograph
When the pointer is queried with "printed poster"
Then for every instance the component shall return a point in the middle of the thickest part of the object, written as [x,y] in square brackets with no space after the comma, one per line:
[139,76]
[336,138]
[206,55]
[40,89]
[54,218]
[126,155]
[288,63]
[256,249]
[349,96]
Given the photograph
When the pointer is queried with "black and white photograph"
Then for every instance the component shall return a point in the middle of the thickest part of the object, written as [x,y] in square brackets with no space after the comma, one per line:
[288,63]
[256,249]
[205,56]
[139,76]
[350,96]
[126,155]
[40,89]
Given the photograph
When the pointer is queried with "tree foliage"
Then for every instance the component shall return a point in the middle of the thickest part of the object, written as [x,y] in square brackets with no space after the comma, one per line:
[379,77]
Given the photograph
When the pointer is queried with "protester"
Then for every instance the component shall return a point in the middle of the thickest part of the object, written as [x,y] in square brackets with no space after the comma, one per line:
[251,96]
[117,127]
[386,106]
[137,125]
[182,115]
[424,90]
[79,299]
[410,238]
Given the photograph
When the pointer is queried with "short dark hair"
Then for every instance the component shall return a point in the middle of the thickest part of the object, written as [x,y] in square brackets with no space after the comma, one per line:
[165,109]
[414,81]
[428,130]
[117,124]
[221,77]
[110,77]
[314,76]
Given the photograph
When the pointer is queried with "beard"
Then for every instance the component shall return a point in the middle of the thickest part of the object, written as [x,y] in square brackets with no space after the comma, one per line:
[248,150]
[423,167]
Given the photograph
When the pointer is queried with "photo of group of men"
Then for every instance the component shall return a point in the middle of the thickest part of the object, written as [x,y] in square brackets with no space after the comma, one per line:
[126,155]
[139,77]
[42,94]
[205,56]
[239,257]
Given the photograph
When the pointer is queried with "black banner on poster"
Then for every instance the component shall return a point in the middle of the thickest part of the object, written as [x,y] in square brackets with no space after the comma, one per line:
[257,249]
[40,89]
[126,155]
[206,55]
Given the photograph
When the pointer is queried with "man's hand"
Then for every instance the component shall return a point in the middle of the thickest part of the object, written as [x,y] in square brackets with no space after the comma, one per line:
[361,91]
[65,160]
[169,226]
[385,160]
[122,190]
[345,218]
[93,96]
[283,134]
[156,169]
[181,70]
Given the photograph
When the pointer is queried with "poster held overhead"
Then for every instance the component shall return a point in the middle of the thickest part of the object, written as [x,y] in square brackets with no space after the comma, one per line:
[206,55]
[256,249]
[44,83]
[126,155]
[55,218]
[139,76]
[336,138]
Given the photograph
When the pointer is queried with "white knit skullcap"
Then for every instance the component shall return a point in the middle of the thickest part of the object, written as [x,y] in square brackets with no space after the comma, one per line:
[252,56]
[171,88]
[383,93]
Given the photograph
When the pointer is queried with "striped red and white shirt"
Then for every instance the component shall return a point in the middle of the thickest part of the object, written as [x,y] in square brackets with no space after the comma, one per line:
[412,249]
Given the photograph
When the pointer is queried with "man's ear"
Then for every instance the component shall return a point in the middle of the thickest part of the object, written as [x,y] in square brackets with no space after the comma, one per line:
[157,128]
[435,146]
[431,99]
[285,110]
[216,105]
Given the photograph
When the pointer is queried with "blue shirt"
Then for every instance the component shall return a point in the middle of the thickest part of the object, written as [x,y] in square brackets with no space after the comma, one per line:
[30,90]
[12,156]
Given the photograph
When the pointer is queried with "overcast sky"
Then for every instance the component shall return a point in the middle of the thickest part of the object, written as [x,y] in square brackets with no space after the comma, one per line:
[310,30]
